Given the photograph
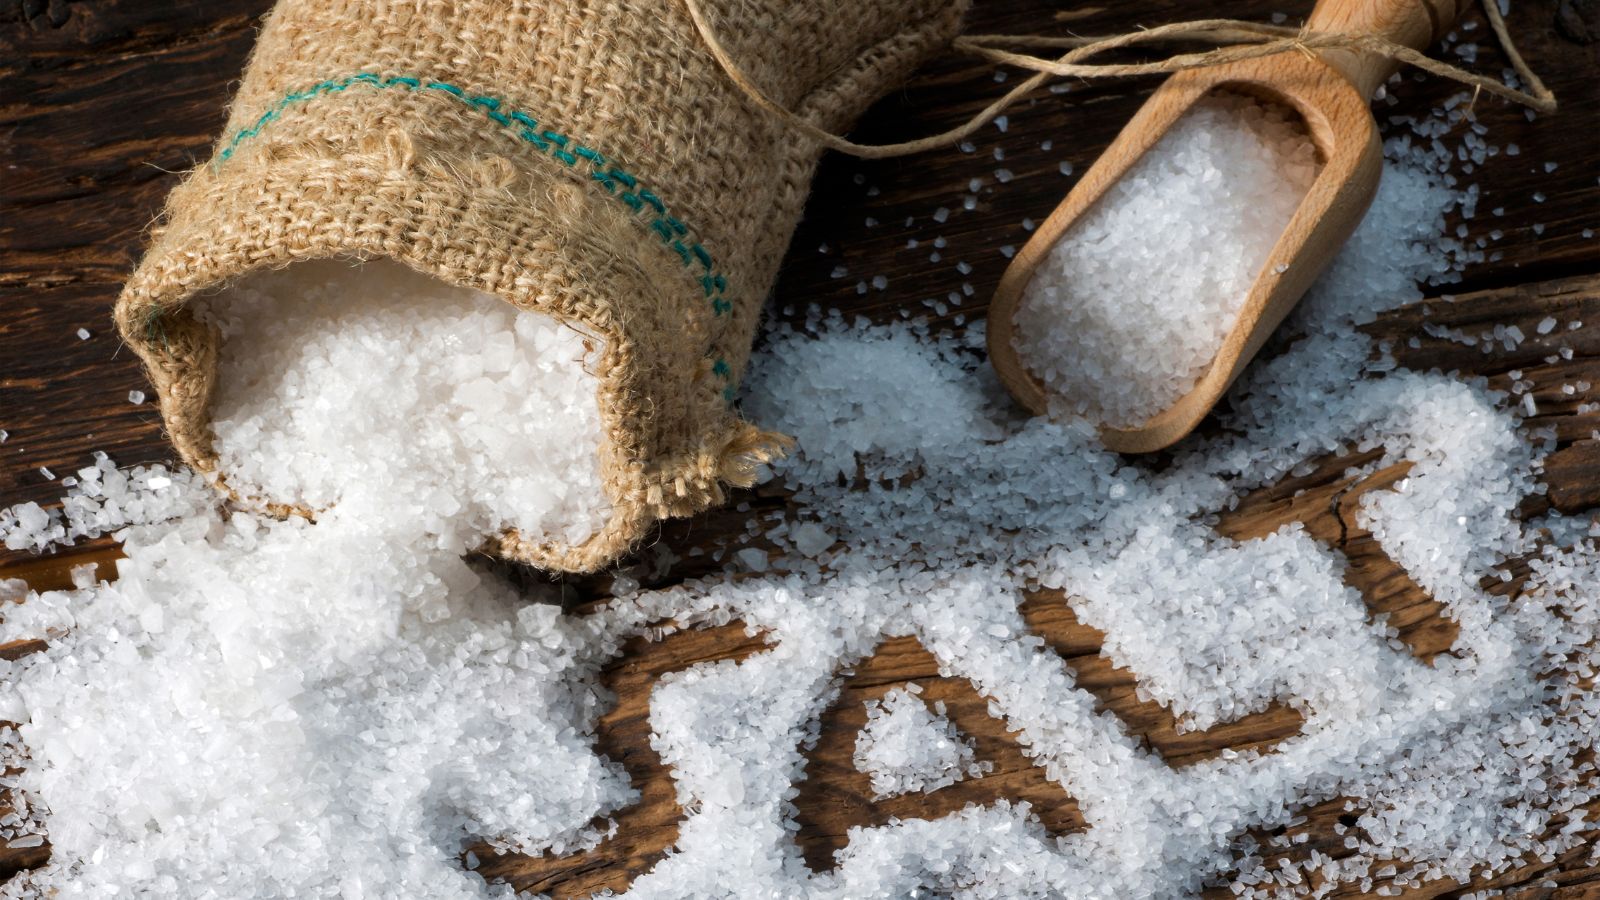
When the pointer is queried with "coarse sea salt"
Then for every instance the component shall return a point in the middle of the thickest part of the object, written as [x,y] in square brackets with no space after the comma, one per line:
[1128,309]
[280,708]
[346,384]
[907,746]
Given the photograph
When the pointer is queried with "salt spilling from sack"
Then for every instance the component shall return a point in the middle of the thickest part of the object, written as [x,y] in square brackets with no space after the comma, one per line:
[341,384]
[311,699]
[1130,306]
[265,708]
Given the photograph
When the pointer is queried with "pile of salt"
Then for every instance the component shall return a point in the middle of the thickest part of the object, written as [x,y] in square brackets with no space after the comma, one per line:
[1131,304]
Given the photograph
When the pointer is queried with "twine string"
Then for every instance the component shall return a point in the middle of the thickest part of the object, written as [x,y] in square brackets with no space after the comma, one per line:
[1246,40]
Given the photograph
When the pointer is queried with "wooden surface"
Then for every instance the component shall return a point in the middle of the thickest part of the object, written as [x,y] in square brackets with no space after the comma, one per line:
[104,100]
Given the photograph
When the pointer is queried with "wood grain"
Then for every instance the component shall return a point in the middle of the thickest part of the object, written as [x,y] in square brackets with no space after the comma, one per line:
[103,101]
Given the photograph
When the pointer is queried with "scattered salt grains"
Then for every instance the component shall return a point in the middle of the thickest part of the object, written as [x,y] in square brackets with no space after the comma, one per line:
[1130,306]
[136,397]
[907,747]
[83,334]
[275,708]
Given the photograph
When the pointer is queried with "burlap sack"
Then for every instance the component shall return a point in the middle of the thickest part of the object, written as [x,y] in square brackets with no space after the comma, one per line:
[583,158]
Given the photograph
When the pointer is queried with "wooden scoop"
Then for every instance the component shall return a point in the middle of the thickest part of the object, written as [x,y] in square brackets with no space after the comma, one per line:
[1330,91]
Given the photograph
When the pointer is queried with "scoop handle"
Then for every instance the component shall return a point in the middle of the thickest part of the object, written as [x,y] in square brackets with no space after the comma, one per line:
[1415,23]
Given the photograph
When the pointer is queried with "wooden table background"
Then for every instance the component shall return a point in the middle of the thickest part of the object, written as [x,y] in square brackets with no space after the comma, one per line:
[103,102]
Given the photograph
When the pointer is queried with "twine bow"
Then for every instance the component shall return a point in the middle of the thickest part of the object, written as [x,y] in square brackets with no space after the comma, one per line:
[1247,40]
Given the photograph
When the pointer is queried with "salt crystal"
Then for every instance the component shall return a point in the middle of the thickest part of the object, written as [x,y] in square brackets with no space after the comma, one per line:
[811,539]
[752,558]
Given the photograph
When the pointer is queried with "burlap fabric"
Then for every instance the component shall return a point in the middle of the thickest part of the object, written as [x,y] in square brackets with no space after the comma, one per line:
[583,158]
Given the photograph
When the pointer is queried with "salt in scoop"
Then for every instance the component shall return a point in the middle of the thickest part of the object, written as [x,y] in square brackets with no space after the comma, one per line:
[1329,91]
